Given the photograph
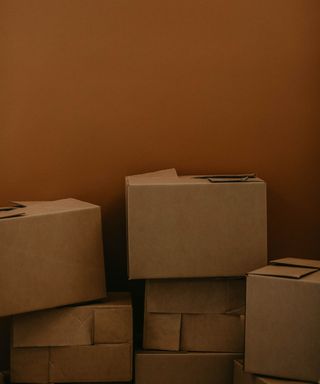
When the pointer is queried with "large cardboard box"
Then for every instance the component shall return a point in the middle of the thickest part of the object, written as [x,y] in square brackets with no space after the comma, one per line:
[51,255]
[283,320]
[184,367]
[194,315]
[188,226]
[89,343]
[242,377]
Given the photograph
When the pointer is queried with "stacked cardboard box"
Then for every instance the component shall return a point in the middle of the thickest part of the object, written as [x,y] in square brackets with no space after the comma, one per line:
[52,256]
[86,343]
[283,320]
[193,239]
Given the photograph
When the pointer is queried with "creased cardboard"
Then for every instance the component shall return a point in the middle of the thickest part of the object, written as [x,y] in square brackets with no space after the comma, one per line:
[184,226]
[194,315]
[186,368]
[51,256]
[107,321]
[282,321]
[242,377]
[47,351]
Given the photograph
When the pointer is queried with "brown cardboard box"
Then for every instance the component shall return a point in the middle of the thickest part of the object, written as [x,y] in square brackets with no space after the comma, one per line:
[89,343]
[51,255]
[195,227]
[195,315]
[282,320]
[184,368]
[242,377]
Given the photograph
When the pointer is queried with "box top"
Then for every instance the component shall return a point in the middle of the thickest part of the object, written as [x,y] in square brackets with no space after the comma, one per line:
[24,209]
[170,177]
[293,268]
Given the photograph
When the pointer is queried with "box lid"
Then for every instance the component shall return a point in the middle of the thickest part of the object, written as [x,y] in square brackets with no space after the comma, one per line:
[289,268]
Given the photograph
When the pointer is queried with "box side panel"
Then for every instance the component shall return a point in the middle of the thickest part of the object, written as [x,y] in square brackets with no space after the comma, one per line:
[113,325]
[54,270]
[229,238]
[54,327]
[194,295]
[212,333]
[29,365]
[95,363]
[282,328]
[186,368]
[162,331]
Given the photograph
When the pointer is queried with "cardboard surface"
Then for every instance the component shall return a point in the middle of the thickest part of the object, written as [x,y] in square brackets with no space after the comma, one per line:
[282,325]
[108,321]
[186,368]
[162,331]
[212,332]
[96,363]
[44,344]
[194,315]
[39,270]
[194,295]
[242,377]
[229,238]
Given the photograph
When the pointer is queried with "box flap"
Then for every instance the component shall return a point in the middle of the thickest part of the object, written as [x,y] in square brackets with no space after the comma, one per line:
[309,263]
[171,172]
[283,271]
[12,212]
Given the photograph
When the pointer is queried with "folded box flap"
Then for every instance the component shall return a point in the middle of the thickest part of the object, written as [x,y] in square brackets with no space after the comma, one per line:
[283,271]
[5,214]
[291,261]
[171,172]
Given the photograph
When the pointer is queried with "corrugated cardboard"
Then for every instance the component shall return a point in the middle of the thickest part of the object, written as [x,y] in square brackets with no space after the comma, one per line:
[195,227]
[242,377]
[184,368]
[93,363]
[195,295]
[107,321]
[51,256]
[194,315]
[77,344]
[282,320]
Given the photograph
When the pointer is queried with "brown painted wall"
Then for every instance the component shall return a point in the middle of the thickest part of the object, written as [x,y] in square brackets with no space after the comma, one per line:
[93,90]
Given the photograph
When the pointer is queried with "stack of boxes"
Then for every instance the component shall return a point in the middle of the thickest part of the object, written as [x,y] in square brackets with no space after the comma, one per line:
[52,256]
[193,239]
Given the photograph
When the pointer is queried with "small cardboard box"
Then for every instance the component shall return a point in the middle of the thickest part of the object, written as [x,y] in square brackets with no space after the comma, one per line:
[194,315]
[242,377]
[191,226]
[51,255]
[184,367]
[283,320]
[89,343]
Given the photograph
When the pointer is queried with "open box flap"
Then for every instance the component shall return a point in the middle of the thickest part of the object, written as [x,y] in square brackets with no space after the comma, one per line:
[291,261]
[283,271]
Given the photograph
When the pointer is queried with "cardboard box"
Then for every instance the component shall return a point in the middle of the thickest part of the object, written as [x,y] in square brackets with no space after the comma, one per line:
[51,255]
[89,343]
[182,367]
[282,320]
[187,226]
[242,377]
[194,315]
